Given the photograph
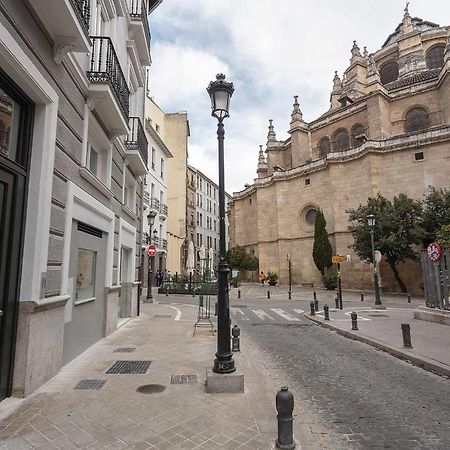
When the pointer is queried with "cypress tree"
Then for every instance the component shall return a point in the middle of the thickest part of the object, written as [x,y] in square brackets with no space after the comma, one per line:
[322,251]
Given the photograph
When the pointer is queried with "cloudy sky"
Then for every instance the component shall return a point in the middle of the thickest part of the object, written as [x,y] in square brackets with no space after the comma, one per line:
[271,50]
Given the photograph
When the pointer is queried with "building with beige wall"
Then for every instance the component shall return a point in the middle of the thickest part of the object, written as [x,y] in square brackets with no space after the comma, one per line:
[387,131]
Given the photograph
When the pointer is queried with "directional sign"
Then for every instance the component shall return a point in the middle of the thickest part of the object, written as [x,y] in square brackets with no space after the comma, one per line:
[151,250]
[338,259]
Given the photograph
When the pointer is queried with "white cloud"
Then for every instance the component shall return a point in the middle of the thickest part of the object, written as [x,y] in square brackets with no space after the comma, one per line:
[272,51]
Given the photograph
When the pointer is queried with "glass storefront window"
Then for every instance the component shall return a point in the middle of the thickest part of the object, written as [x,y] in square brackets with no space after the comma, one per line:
[9,125]
[85,283]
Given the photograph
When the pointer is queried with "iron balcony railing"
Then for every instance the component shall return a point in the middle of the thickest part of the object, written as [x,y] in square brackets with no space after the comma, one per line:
[138,11]
[163,209]
[105,68]
[154,204]
[164,244]
[83,12]
[159,242]
[136,139]
[146,197]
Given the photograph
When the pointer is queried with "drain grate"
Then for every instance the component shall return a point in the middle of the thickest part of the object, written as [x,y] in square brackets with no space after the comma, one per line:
[162,316]
[151,388]
[90,384]
[129,367]
[378,315]
[125,350]
[183,379]
[284,325]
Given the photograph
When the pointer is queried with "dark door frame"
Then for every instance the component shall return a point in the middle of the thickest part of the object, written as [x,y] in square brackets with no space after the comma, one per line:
[14,240]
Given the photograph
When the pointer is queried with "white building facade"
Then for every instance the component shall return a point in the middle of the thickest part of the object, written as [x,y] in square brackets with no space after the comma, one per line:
[73,156]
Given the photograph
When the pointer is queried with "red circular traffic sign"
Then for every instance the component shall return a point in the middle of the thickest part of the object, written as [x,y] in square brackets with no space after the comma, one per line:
[151,250]
[434,251]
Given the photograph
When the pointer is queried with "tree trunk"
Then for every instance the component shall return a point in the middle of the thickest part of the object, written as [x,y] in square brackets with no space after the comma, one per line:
[397,277]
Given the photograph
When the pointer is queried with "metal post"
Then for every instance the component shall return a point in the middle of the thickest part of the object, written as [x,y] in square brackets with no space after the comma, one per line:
[354,317]
[236,332]
[326,311]
[285,407]
[149,279]
[314,295]
[290,277]
[224,362]
[409,298]
[339,285]
[239,293]
[375,272]
[311,305]
[290,295]
[336,301]
[268,295]
[362,297]
[215,308]
[316,305]
[406,332]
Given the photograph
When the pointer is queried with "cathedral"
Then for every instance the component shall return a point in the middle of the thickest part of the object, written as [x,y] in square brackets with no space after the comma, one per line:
[387,131]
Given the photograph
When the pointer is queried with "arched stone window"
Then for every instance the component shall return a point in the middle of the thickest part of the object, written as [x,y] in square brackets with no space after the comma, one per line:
[388,72]
[324,147]
[341,142]
[435,57]
[357,130]
[416,119]
[310,216]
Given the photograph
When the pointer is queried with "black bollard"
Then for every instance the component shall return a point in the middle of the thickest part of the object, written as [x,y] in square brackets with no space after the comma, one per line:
[312,308]
[239,293]
[314,295]
[354,317]
[336,300]
[362,297]
[316,305]
[406,335]
[236,332]
[285,407]
[167,292]
[268,295]
[326,311]
[290,295]
[409,298]
[215,308]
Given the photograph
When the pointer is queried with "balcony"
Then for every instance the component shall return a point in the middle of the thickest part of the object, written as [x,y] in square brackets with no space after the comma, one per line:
[137,147]
[141,28]
[108,87]
[160,244]
[146,199]
[67,22]
[163,211]
[154,205]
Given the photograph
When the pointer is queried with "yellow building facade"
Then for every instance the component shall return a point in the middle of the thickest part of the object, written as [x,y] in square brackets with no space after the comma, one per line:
[387,131]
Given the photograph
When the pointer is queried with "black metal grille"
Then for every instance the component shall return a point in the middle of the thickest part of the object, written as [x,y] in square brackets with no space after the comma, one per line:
[129,367]
[83,12]
[138,11]
[85,228]
[183,379]
[125,350]
[90,384]
[136,139]
[105,68]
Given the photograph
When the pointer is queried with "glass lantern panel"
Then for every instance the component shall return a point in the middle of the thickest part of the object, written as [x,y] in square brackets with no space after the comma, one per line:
[221,98]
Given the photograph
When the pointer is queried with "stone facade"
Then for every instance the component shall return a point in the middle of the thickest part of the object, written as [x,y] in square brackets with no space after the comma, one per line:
[387,131]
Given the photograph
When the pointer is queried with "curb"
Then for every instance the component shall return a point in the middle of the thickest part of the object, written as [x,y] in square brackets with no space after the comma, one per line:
[422,362]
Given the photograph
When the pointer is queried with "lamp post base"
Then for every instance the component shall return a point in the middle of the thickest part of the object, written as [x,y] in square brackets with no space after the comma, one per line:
[224,364]
[226,383]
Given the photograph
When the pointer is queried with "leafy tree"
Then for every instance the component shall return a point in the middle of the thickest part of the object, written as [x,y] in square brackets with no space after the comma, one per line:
[436,213]
[250,263]
[237,258]
[396,230]
[322,251]
[443,236]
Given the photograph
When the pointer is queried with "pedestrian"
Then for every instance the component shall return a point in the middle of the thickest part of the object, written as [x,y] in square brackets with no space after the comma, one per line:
[262,278]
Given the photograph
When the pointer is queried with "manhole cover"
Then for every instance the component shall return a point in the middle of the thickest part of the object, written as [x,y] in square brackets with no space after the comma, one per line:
[90,384]
[162,316]
[129,367]
[183,379]
[151,389]
[378,315]
[125,350]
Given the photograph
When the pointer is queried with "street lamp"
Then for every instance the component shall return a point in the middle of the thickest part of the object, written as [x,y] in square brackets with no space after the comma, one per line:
[371,222]
[150,220]
[220,92]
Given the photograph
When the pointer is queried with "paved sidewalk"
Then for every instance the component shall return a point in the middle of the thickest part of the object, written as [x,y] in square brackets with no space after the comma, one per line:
[382,329]
[183,416]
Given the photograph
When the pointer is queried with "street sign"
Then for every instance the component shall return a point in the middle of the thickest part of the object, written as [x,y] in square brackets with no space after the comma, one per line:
[151,250]
[377,254]
[434,251]
[338,259]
